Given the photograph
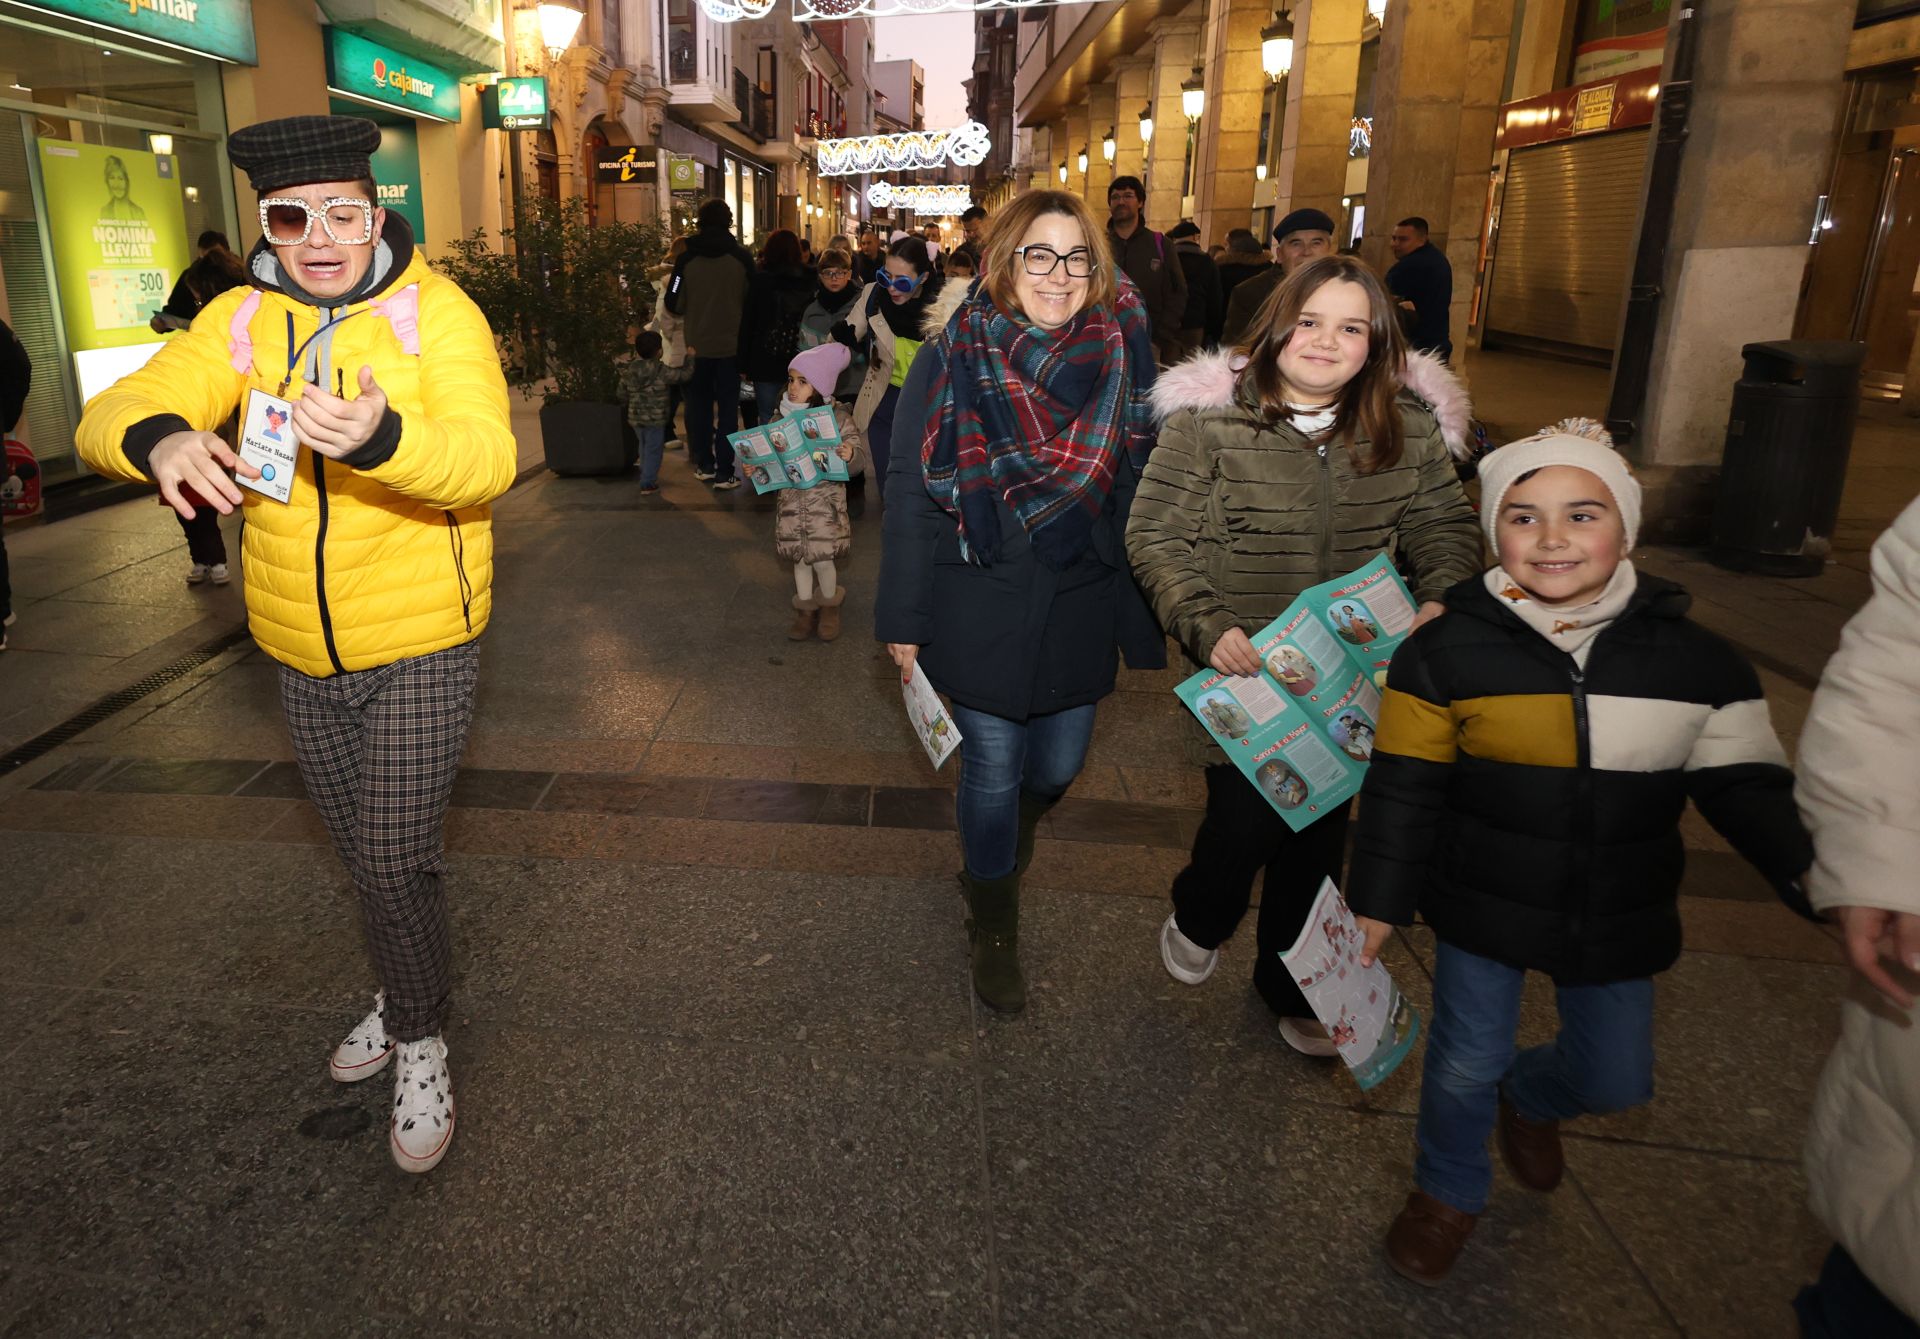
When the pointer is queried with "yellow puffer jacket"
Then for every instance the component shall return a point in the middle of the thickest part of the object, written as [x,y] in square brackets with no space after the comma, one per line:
[360,567]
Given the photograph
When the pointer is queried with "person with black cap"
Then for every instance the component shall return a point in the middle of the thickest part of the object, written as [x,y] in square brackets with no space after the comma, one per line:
[1302,236]
[368,548]
[1206,308]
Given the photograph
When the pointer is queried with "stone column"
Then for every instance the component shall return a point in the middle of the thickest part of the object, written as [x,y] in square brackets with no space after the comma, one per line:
[1312,166]
[1230,132]
[1768,90]
[1436,97]
[1056,152]
[1075,140]
[1100,116]
[1174,43]
[1133,88]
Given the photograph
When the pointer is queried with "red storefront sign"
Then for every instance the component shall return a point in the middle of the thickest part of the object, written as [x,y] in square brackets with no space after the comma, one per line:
[1586,109]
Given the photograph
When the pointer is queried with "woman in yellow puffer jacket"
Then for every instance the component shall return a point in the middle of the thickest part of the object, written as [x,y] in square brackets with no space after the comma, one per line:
[372,581]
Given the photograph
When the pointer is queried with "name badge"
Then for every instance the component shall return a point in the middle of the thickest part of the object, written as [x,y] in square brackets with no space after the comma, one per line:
[268,443]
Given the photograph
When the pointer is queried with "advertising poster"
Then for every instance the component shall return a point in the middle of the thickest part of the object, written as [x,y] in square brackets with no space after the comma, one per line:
[396,173]
[119,229]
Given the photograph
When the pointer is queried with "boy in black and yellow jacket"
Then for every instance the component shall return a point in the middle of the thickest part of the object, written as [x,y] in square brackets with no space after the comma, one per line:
[1537,746]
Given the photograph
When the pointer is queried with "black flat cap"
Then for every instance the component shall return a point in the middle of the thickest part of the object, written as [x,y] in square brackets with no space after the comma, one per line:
[297,150]
[1184,228]
[1302,220]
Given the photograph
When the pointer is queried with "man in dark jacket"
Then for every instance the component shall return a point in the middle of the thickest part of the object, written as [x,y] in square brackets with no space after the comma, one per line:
[1244,259]
[1303,235]
[1206,308]
[1422,280]
[708,292]
[1146,257]
[16,379]
[872,257]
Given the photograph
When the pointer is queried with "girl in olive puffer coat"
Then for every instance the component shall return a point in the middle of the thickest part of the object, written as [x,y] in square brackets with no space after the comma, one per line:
[1280,465]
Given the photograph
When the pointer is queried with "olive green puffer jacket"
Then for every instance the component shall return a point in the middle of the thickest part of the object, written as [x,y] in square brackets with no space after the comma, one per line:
[1236,516]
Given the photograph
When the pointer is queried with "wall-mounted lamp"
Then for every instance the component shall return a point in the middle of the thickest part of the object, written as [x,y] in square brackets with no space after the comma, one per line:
[1193,96]
[1081,158]
[1146,125]
[1276,48]
[1063,171]
[1259,171]
[1109,147]
[559,21]
[160,143]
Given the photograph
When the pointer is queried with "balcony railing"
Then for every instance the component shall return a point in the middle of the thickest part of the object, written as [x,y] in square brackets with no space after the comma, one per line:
[756,108]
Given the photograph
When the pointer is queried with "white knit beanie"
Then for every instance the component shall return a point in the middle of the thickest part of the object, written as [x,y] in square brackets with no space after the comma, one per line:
[1579,442]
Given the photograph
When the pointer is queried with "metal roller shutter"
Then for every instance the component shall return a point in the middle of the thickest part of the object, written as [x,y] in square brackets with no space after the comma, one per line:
[1565,249]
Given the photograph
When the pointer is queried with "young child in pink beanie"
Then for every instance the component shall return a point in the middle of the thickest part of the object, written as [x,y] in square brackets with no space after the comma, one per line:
[812,529]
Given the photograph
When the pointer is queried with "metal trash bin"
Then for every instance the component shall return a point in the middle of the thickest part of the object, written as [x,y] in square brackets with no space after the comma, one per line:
[1788,438]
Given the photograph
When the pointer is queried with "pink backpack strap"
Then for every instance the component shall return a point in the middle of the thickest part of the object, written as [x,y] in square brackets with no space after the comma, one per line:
[402,311]
[240,333]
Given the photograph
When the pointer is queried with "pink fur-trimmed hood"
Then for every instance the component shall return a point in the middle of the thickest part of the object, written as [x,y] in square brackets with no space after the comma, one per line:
[1209,380]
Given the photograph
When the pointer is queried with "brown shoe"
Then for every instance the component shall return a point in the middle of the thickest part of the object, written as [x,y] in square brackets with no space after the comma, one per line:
[830,614]
[1427,1238]
[1531,1149]
[806,613]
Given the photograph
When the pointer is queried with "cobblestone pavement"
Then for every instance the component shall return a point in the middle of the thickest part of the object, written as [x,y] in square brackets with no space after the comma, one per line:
[719,1066]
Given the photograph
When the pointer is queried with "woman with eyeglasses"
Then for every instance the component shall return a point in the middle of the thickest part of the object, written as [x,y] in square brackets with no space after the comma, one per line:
[832,303]
[885,324]
[1023,429]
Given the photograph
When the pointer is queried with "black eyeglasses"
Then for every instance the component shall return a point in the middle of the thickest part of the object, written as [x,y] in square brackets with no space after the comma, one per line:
[1044,260]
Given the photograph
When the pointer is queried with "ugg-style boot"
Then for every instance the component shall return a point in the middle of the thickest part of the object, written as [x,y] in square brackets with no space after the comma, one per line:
[806,613]
[830,614]
[1032,810]
[993,936]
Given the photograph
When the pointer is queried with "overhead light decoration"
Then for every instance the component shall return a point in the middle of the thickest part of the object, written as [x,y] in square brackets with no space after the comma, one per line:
[1146,125]
[1193,96]
[732,11]
[1360,137]
[1109,146]
[1276,48]
[965,145]
[921,199]
[816,10]
[559,21]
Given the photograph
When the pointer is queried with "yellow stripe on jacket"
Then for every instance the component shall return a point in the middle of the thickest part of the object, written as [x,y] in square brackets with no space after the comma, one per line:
[408,550]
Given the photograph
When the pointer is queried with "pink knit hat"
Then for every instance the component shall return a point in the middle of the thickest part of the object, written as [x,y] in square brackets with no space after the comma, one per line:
[822,365]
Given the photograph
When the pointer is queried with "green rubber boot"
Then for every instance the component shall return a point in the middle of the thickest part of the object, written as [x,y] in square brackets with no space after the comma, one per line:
[1032,810]
[993,936]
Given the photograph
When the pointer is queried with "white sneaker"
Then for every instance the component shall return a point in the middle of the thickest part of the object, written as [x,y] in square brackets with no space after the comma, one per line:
[196,574]
[219,574]
[1308,1036]
[422,1105]
[1186,961]
[366,1050]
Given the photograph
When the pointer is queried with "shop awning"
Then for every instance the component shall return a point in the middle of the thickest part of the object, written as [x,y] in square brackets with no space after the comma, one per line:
[440,30]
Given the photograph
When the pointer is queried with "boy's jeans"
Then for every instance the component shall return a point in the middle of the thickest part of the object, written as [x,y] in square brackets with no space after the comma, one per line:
[1601,1061]
[653,446]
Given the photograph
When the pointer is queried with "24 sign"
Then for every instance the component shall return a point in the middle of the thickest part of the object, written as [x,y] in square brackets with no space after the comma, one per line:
[515,104]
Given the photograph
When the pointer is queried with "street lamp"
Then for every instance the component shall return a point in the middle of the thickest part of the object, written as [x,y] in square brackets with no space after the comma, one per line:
[1146,125]
[1259,171]
[1063,171]
[1193,96]
[559,21]
[1276,48]
[1083,160]
[1109,147]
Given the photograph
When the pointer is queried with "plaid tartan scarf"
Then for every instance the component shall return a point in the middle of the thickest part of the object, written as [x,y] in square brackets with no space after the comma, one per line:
[1039,418]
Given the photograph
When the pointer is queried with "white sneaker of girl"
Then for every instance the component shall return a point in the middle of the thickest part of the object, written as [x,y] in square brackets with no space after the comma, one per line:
[1185,960]
[422,1105]
[365,1051]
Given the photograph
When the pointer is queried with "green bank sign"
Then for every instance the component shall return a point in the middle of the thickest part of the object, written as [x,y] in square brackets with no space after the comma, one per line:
[220,28]
[371,72]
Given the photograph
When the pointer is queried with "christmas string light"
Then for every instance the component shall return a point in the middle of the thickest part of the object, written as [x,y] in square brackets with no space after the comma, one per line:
[920,199]
[816,10]
[966,145]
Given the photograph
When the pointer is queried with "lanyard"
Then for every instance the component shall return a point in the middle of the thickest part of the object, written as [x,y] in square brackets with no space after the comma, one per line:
[295,355]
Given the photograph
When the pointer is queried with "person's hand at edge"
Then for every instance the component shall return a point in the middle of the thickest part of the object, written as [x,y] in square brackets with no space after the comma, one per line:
[903,655]
[1234,654]
[200,461]
[1374,935]
[1429,611]
[1873,935]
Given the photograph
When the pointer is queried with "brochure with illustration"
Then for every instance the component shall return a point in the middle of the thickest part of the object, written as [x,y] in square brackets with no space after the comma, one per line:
[1302,729]
[930,718]
[797,450]
[1372,1023]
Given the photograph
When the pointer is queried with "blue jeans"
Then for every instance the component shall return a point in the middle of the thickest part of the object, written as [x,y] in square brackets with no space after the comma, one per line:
[1601,1061]
[766,399]
[653,445]
[1000,758]
[713,411]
